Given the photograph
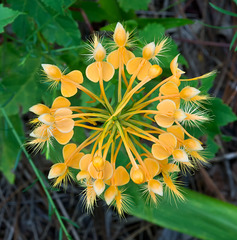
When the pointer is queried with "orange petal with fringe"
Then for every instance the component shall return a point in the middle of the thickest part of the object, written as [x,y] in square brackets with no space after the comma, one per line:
[57,170]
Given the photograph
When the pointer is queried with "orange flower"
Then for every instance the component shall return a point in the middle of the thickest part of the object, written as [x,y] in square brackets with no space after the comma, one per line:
[60,171]
[69,81]
[99,70]
[54,121]
[121,38]
[168,113]
[167,147]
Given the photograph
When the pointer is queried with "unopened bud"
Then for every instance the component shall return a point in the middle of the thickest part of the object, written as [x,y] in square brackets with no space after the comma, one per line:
[137,176]
[155,71]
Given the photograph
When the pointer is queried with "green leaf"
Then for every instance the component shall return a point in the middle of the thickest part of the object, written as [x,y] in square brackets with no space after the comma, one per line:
[167,23]
[56,5]
[207,83]
[114,12]
[152,32]
[7,15]
[199,216]
[222,113]
[127,5]
[55,27]
[223,10]
[9,147]
[22,85]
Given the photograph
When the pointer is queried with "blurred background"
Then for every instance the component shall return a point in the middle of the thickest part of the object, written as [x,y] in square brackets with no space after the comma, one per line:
[33,32]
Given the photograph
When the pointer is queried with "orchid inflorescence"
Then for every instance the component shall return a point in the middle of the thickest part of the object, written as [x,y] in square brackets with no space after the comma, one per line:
[113,126]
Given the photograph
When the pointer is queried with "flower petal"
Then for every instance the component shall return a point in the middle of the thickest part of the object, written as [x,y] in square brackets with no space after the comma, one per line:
[127,55]
[164,121]
[133,64]
[52,71]
[68,89]
[121,176]
[168,139]
[62,112]
[113,58]
[65,125]
[92,72]
[108,171]
[99,186]
[144,71]
[152,166]
[170,88]
[155,186]
[110,194]
[46,118]
[57,170]
[180,155]
[159,152]
[85,161]
[75,76]
[75,160]
[62,138]
[166,106]
[68,150]
[39,109]
[61,102]
[107,71]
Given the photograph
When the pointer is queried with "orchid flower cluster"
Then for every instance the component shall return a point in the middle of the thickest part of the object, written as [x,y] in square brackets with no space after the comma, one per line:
[112,127]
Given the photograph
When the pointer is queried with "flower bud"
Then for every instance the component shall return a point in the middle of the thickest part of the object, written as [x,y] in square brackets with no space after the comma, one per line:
[120,36]
[149,51]
[137,175]
[99,53]
[188,92]
[98,163]
[155,71]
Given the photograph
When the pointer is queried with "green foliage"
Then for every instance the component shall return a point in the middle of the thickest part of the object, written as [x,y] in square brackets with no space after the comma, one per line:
[7,16]
[9,148]
[46,31]
[127,5]
[199,216]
